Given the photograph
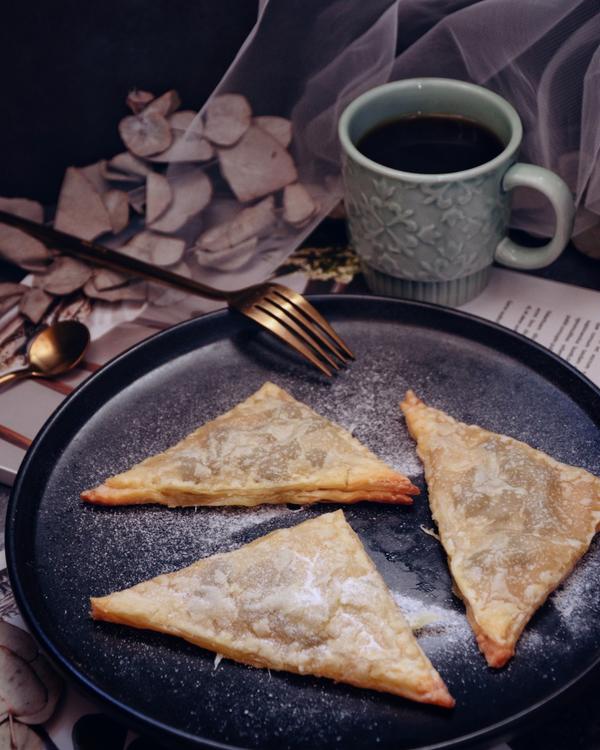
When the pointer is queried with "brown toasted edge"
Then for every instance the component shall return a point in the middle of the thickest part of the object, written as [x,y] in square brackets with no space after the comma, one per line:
[496,654]
[106,495]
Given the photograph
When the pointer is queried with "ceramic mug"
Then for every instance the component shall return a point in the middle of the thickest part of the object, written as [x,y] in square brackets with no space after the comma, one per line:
[434,237]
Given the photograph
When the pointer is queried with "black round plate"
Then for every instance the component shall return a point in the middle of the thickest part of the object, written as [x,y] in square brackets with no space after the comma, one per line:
[61,551]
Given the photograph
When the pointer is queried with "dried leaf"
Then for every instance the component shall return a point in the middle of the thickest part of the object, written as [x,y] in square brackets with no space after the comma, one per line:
[131,167]
[111,175]
[18,641]
[228,117]
[250,222]
[117,206]
[95,174]
[588,242]
[279,127]
[257,165]
[185,149]
[23,207]
[75,309]
[64,276]
[137,199]
[16,246]
[105,278]
[188,143]
[81,210]
[155,248]
[15,736]
[10,294]
[231,259]
[9,289]
[145,134]
[34,304]
[54,686]
[12,342]
[158,196]
[135,292]
[192,191]
[164,105]
[21,249]
[183,119]
[9,302]
[20,690]
[298,205]
[222,209]
[165,296]
[138,100]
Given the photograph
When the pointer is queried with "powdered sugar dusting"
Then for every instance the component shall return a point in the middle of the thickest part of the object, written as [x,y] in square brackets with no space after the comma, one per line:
[226,524]
[431,619]
[446,638]
[579,593]
[165,540]
[371,413]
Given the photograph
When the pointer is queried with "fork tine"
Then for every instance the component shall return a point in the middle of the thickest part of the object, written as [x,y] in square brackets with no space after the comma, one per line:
[304,306]
[287,319]
[289,309]
[305,327]
[279,330]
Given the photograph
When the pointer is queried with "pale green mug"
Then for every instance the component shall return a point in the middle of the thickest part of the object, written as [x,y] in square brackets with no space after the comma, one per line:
[434,237]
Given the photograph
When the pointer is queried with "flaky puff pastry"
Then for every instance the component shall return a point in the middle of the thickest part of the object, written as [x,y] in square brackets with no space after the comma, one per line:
[306,599]
[513,521]
[268,449]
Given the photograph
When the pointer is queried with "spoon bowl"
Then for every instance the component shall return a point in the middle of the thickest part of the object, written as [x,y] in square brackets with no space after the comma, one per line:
[58,348]
[53,351]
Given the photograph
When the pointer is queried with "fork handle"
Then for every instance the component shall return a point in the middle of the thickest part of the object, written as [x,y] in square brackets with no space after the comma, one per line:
[104,256]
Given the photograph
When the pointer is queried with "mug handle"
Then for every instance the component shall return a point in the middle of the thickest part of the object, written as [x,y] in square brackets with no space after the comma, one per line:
[513,255]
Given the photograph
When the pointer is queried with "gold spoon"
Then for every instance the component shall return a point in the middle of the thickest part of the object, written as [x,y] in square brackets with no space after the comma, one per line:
[53,351]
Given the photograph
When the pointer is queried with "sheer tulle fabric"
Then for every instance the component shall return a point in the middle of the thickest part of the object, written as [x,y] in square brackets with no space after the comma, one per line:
[307,59]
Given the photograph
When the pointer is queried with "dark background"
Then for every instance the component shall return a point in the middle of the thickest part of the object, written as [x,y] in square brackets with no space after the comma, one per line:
[67,66]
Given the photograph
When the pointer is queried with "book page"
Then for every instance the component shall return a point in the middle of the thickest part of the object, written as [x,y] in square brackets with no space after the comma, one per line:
[562,317]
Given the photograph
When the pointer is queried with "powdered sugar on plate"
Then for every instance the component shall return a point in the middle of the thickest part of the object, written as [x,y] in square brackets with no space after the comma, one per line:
[432,620]
[370,410]
[578,599]
[226,524]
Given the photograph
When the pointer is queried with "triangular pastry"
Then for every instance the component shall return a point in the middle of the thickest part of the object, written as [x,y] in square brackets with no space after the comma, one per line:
[307,599]
[268,449]
[513,521]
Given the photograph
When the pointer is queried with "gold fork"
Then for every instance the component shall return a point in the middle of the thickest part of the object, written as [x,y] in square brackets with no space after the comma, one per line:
[284,312]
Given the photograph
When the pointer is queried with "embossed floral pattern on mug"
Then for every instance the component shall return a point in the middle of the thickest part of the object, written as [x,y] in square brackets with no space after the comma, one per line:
[429,228]
[423,231]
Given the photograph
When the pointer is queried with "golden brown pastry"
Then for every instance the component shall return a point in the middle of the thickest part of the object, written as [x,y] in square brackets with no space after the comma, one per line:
[513,521]
[306,599]
[268,449]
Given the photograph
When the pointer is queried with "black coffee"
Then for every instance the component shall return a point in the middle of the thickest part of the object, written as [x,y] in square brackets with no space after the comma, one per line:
[430,144]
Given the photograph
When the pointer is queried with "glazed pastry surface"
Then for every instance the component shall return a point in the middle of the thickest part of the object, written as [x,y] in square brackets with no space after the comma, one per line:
[513,521]
[269,449]
[307,599]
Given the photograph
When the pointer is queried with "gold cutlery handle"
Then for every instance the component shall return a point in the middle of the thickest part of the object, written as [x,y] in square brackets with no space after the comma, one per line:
[92,251]
[8,377]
